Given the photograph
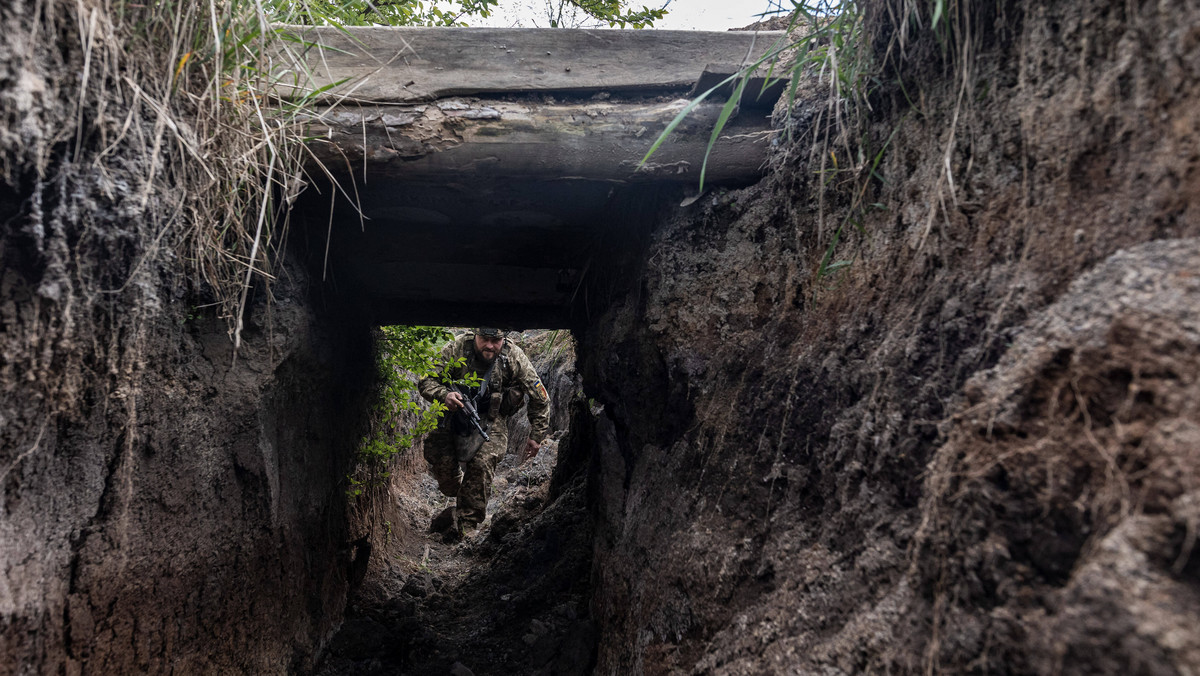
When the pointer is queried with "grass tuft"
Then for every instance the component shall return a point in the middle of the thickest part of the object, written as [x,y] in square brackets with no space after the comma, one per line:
[834,48]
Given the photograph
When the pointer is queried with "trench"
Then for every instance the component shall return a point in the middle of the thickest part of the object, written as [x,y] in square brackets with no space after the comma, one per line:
[511,598]
[515,252]
[903,424]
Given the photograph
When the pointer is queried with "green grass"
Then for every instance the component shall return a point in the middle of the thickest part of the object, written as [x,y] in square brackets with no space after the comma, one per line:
[827,46]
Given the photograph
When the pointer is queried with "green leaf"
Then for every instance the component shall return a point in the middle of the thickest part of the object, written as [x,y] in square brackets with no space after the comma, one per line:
[726,112]
[823,269]
[680,117]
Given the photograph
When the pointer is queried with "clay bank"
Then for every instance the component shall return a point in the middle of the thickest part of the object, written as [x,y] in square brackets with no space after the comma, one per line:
[913,388]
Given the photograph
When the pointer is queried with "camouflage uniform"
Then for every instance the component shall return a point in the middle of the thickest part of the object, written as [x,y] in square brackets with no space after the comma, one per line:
[514,377]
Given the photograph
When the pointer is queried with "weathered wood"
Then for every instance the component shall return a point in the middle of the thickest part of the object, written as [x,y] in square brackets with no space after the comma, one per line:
[406,64]
[462,138]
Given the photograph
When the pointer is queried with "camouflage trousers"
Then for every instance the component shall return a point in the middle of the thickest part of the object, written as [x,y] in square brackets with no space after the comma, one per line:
[470,483]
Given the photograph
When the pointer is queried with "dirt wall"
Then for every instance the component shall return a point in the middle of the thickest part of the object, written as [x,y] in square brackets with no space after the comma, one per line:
[164,507]
[188,514]
[201,528]
[971,450]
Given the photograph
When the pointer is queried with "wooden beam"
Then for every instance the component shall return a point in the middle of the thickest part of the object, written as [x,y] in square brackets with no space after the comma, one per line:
[408,64]
[465,138]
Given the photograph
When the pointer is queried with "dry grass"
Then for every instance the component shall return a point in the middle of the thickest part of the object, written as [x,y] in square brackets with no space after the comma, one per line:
[246,159]
[145,175]
[838,56]
[195,80]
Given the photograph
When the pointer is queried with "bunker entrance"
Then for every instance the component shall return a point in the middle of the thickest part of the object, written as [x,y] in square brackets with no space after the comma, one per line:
[515,204]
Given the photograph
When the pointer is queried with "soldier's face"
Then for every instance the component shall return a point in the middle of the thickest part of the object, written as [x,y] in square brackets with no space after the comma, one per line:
[488,346]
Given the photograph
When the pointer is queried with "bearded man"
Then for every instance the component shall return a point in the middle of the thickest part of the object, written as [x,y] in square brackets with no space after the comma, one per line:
[460,459]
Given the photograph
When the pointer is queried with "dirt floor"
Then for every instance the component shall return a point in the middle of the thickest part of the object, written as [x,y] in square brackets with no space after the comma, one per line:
[510,599]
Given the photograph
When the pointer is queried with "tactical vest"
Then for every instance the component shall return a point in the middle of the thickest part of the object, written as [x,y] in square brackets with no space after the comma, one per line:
[505,397]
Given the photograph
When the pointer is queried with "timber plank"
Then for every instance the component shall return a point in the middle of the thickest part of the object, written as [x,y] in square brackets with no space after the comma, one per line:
[409,64]
[461,138]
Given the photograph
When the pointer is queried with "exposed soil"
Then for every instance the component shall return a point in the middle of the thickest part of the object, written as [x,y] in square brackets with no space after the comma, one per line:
[971,450]
[511,599]
[163,505]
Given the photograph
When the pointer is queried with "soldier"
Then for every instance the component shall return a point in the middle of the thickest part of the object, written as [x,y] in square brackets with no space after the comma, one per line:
[462,465]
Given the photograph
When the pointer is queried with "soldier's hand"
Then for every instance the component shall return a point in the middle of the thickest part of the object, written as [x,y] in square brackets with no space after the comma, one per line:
[454,401]
[531,449]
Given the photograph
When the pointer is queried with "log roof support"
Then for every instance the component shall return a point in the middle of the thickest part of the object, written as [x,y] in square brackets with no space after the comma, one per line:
[496,172]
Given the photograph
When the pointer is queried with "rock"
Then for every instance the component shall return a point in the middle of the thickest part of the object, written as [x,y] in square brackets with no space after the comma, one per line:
[460,669]
[418,586]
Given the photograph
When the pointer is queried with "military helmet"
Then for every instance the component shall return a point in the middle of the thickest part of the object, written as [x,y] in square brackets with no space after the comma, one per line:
[491,333]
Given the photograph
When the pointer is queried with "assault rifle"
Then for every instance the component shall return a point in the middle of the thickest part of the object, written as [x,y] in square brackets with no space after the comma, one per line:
[472,415]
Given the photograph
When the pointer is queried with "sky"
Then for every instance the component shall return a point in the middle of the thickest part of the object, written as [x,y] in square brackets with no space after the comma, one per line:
[710,15]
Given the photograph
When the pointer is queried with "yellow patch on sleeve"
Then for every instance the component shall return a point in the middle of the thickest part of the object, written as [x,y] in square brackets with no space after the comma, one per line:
[542,390]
